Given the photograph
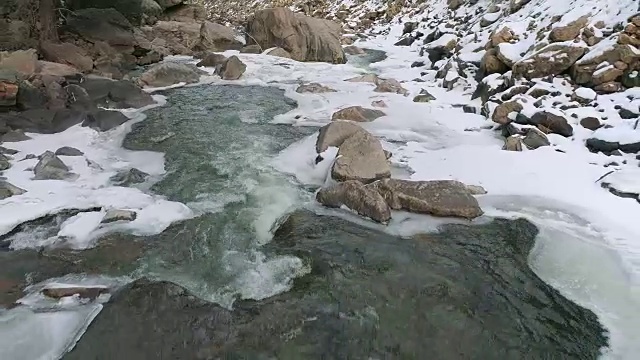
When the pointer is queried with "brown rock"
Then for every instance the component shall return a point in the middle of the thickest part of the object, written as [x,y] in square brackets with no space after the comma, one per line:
[314,88]
[513,143]
[550,60]
[361,157]
[454,4]
[185,13]
[582,71]
[606,75]
[379,103]
[216,37]
[55,69]
[358,114]
[334,134]
[305,38]
[212,60]
[353,50]
[357,197]
[251,49]
[279,52]
[502,111]
[503,35]
[22,61]
[447,198]
[390,86]
[554,123]
[610,87]
[625,39]
[8,93]
[66,53]
[569,31]
[83,292]
[232,69]
[590,123]
[491,64]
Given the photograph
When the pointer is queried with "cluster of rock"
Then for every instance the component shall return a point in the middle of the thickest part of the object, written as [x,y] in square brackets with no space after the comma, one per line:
[362,172]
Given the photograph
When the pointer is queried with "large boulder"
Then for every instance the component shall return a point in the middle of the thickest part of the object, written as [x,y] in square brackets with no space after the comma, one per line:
[216,37]
[57,70]
[569,31]
[15,35]
[104,120]
[358,114]
[46,121]
[439,198]
[356,196]
[186,38]
[334,134]
[117,94]
[553,59]
[169,73]
[185,12]
[553,123]
[165,4]
[503,112]
[66,53]
[138,12]
[583,70]
[231,69]
[50,167]
[361,157]
[106,25]
[24,62]
[212,60]
[305,38]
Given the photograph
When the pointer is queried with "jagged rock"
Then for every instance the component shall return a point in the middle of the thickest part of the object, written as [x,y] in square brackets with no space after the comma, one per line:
[68,151]
[556,124]
[50,167]
[129,177]
[314,88]
[118,215]
[104,120]
[7,190]
[590,123]
[216,37]
[569,31]
[534,138]
[583,70]
[169,73]
[424,96]
[358,114]
[24,62]
[305,38]
[502,112]
[437,53]
[356,196]
[513,143]
[118,94]
[279,52]
[447,198]
[4,162]
[212,60]
[14,136]
[232,69]
[66,53]
[251,49]
[550,60]
[406,41]
[353,50]
[78,98]
[90,293]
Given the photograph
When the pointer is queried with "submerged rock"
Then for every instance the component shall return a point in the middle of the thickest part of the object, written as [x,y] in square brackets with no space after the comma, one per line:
[168,73]
[367,295]
[356,196]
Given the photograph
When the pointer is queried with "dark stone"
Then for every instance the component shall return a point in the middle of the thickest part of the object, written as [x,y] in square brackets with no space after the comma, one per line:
[597,145]
[557,124]
[409,27]
[509,130]
[106,25]
[78,98]
[46,121]
[30,97]
[407,41]
[68,151]
[627,114]
[367,295]
[136,11]
[470,109]
[129,177]
[118,94]
[522,119]
[103,120]
[437,53]
[590,123]
[417,64]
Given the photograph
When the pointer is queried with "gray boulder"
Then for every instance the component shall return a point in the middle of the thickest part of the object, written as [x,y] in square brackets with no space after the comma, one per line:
[50,167]
[446,198]
[335,134]
[357,197]
[212,60]
[4,162]
[361,157]
[534,138]
[105,24]
[129,177]
[8,190]
[231,69]
[104,120]
[118,94]
[68,151]
[165,74]
[118,215]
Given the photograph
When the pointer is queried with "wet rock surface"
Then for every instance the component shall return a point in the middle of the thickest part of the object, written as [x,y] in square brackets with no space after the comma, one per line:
[367,295]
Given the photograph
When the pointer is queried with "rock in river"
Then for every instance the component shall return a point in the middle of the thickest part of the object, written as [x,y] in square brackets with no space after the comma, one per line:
[50,167]
[168,73]
[357,197]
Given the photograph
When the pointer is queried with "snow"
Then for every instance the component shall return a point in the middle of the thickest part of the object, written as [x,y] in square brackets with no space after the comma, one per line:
[619,134]
[586,93]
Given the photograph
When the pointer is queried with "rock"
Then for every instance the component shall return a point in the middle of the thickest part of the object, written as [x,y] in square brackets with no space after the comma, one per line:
[590,123]
[106,25]
[583,71]
[7,151]
[424,96]
[118,215]
[405,41]
[118,94]
[334,134]
[358,114]
[138,12]
[314,88]
[446,198]
[513,143]
[185,13]
[46,121]
[353,50]
[551,60]
[129,177]
[216,37]
[169,73]
[360,157]
[356,196]
[491,64]
[596,145]
[4,162]
[606,75]
[251,49]
[165,4]
[66,53]
[627,114]
[569,31]
[382,85]
[78,98]
[7,190]
[534,138]
[305,38]
[379,103]
[50,167]
[30,97]
[504,35]
[556,124]
[279,52]
[178,38]
[68,151]
[14,136]
[57,70]
[90,293]
[212,60]
[8,92]
[631,78]
[232,69]
[409,27]
[454,4]
[437,53]
[24,62]
[104,120]
[15,35]
[608,88]
[501,115]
